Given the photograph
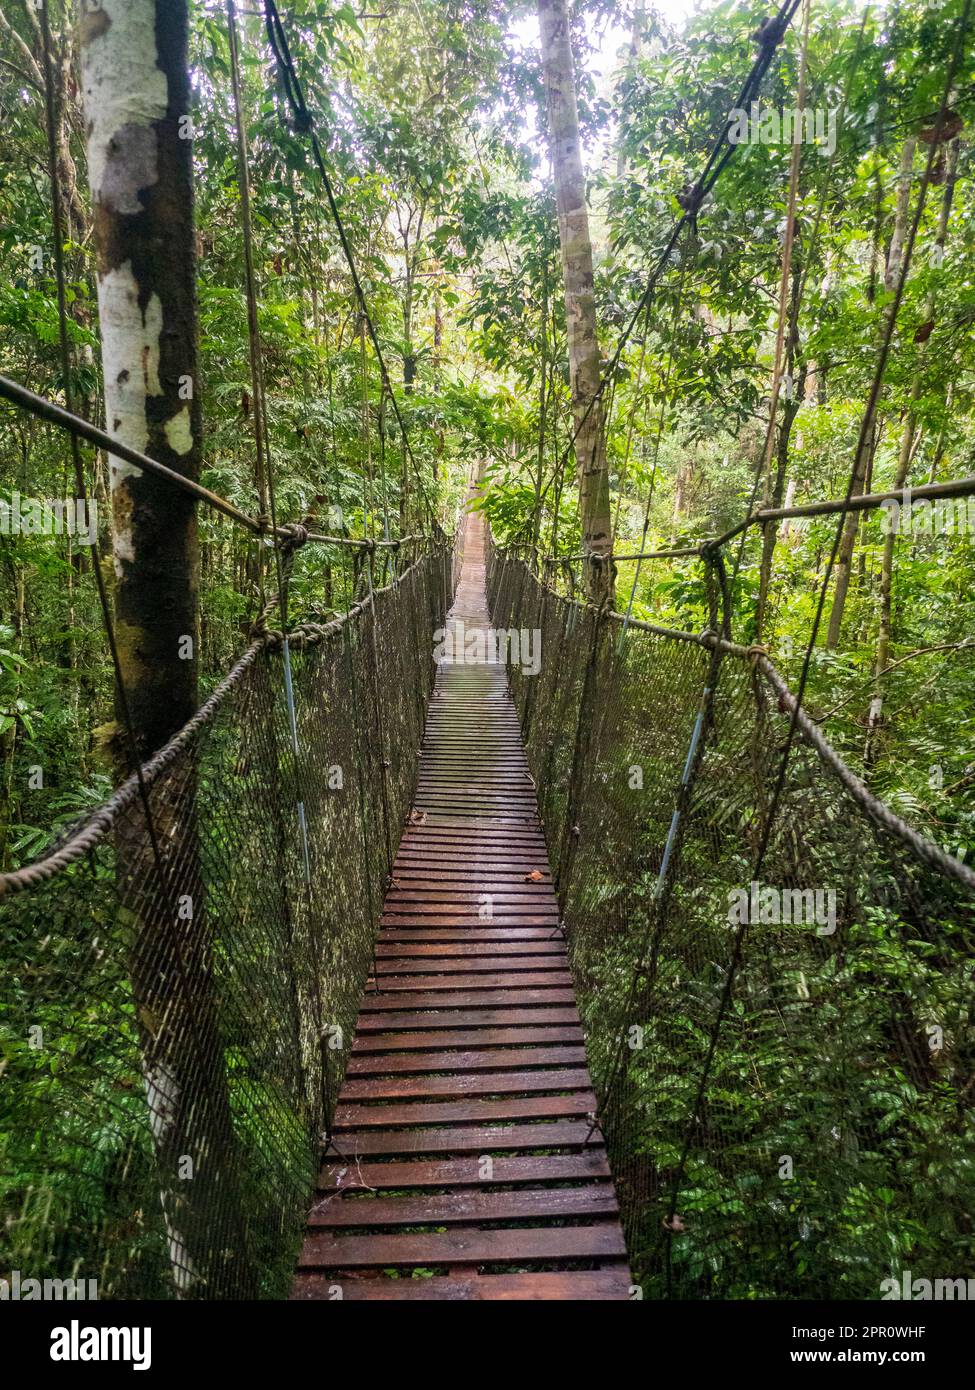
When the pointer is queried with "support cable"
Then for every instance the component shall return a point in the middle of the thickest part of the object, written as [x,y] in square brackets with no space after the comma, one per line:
[305,125]
[68,420]
[283,558]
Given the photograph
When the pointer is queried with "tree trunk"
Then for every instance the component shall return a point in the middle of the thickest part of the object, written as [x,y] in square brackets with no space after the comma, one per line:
[580,303]
[774,484]
[137,100]
[790,410]
[636,44]
[895,257]
[844,556]
[906,453]
[542,414]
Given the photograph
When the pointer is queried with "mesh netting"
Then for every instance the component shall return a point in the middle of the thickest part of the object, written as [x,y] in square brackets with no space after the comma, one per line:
[173,1042]
[820,1140]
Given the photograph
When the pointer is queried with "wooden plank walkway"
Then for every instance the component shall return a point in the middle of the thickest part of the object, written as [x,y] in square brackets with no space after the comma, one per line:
[462,1143]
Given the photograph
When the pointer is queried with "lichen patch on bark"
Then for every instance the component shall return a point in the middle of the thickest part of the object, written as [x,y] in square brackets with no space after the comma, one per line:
[125,92]
[130,350]
[131,164]
[179,431]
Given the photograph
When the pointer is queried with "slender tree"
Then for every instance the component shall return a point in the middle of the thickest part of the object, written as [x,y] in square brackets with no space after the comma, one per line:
[851,526]
[580,301]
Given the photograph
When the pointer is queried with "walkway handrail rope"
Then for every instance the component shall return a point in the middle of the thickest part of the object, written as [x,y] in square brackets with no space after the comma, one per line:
[83,838]
[863,502]
[76,425]
[923,847]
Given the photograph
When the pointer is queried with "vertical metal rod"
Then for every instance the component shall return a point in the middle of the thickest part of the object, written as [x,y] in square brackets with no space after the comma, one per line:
[684,784]
[289,695]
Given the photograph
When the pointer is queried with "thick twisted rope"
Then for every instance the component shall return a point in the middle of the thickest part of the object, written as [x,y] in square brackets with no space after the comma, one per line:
[84,838]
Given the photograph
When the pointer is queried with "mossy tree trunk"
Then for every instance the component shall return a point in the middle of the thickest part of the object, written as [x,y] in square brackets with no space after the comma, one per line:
[136,91]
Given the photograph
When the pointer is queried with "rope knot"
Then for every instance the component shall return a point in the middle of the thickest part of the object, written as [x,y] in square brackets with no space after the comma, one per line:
[690,197]
[295,536]
[259,626]
[769,32]
[756,650]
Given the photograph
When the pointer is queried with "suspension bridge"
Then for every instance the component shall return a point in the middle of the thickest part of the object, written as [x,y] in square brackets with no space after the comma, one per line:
[468,1027]
[388,979]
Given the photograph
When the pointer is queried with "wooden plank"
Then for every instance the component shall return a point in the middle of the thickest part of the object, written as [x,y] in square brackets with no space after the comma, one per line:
[490,842]
[574,1286]
[462,1112]
[469,863]
[459,873]
[518,980]
[466,999]
[478,1139]
[467,1084]
[409,916]
[395,1043]
[398,1174]
[462,914]
[379,1020]
[483,934]
[393,966]
[340,1212]
[485,839]
[536,1246]
[434,831]
[459,858]
[527,895]
[447,951]
[488,1060]
[476,893]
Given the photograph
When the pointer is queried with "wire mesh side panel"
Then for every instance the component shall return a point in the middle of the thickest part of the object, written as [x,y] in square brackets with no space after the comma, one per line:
[809,1131]
[173,1039]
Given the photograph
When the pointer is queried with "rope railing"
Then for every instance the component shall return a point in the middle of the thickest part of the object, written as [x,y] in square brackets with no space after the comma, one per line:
[179,1029]
[53,414]
[766,1093]
[833,506]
